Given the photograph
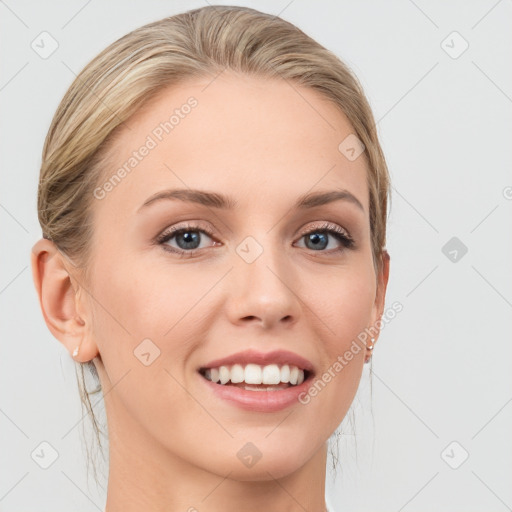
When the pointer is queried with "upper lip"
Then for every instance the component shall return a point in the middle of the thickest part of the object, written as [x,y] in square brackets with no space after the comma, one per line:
[263,359]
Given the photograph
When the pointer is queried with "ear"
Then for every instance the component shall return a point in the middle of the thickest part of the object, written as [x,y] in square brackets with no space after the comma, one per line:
[60,296]
[380,295]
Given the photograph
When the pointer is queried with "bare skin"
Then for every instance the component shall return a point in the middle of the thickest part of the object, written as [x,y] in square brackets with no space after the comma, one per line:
[173,444]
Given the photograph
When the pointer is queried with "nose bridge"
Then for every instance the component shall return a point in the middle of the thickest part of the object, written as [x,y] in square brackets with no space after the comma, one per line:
[264,284]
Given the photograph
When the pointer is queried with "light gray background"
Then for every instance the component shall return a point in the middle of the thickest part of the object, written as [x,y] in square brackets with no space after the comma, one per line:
[442,367]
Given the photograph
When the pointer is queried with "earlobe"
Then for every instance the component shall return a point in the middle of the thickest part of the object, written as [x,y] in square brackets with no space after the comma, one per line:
[60,301]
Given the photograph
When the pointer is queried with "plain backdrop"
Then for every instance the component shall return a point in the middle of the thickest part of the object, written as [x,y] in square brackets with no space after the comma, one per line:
[435,432]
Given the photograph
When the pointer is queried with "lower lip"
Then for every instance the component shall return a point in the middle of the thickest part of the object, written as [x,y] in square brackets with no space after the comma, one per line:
[259,401]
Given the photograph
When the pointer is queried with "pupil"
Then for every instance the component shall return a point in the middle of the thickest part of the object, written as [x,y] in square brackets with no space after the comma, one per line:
[317,239]
[190,238]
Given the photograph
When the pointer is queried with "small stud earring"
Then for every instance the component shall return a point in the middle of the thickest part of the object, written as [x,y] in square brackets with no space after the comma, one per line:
[370,348]
[75,352]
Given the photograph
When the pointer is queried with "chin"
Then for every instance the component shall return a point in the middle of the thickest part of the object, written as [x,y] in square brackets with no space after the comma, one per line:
[262,464]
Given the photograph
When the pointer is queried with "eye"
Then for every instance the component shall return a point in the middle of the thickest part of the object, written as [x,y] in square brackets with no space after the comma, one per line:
[187,238]
[318,239]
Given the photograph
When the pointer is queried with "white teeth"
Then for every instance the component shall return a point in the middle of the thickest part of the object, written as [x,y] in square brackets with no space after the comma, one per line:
[294,374]
[271,374]
[255,374]
[224,374]
[252,374]
[285,373]
[237,373]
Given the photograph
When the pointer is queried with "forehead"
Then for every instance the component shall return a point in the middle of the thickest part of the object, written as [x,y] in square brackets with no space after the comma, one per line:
[237,134]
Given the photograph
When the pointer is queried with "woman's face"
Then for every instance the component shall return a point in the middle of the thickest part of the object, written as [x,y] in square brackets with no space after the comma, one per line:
[242,276]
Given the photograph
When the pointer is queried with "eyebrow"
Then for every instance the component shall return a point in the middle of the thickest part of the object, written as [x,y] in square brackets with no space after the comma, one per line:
[216,200]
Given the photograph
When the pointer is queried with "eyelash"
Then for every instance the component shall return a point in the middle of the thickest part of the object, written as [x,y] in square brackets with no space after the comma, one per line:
[337,232]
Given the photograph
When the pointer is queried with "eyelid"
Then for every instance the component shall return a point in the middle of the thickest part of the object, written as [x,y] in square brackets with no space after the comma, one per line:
[197,225]
[325,226]
[185,225]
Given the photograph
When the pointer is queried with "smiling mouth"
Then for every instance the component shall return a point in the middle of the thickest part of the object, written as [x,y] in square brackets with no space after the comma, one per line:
[253,377]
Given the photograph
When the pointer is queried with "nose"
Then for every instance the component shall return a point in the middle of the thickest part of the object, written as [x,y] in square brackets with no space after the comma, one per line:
[263,291]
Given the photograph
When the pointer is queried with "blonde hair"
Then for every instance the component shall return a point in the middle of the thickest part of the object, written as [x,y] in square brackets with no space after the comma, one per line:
[132,70]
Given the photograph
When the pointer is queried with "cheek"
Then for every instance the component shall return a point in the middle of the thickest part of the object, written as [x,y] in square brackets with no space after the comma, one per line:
[143,301]
[133,311]
[141,339]
[345,306]
[145,314]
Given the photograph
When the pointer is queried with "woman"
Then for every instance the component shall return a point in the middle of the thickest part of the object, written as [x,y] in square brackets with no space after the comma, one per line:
[213,201]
